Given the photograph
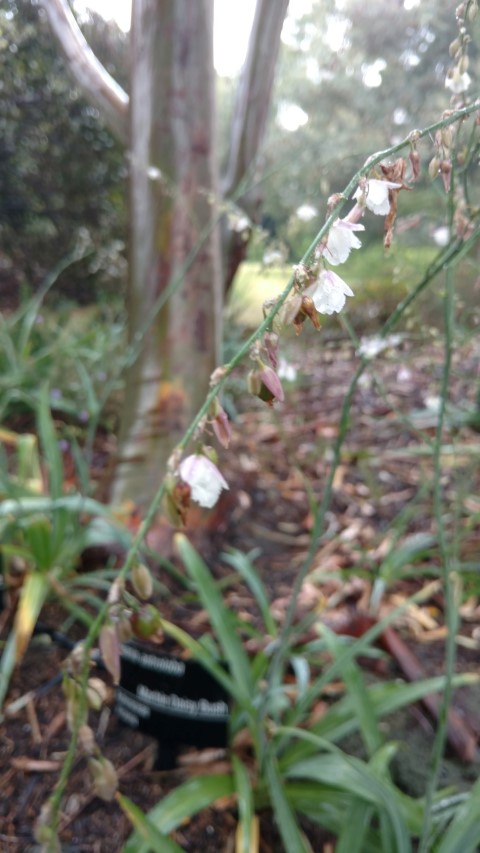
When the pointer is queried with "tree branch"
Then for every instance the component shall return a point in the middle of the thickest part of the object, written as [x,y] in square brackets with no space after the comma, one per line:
[98,86]
[254,91]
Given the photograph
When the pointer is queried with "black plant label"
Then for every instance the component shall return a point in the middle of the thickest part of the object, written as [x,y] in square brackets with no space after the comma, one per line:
[177,701]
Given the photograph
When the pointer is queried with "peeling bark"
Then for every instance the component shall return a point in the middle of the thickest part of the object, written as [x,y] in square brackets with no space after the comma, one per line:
[173,185]
[168,124]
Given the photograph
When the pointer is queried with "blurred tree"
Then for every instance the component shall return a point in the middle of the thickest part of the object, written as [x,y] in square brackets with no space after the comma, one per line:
[168,124]
[61,170]
[364,75]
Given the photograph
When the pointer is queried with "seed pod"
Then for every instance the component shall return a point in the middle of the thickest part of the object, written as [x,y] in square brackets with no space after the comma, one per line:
[146,622]
[104,777]
[86,739]
[97,693]
[434,167]
[142,581]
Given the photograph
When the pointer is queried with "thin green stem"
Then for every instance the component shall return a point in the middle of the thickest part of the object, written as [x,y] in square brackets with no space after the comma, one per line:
[451,616]
[278,660]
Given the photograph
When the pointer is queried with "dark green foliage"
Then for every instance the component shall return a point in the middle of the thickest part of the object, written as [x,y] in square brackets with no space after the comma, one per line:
[62,174]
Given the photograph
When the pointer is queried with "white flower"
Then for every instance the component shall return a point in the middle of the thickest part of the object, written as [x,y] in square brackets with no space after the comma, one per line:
[457,82]
[204,479]
[371,347]
[286,371]
[376,195]
[341,240]
[329,292]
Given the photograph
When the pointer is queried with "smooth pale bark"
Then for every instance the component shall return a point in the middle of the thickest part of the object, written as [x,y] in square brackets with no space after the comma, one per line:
[249,120]
[254,92]
[97,85]
[173,200]
[173,188]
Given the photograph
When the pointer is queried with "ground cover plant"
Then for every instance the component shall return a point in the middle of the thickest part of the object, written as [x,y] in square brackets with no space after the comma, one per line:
[362,496]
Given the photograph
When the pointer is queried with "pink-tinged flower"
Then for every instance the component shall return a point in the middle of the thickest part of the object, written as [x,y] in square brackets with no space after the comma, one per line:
[271,381]
[271,341]
[341,240]
[205,480]
[264,383]
[110,650]
[376,195]
[329,292]
[221,425]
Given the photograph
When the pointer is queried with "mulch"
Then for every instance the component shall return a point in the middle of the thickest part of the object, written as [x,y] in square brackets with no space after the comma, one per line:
[382,502]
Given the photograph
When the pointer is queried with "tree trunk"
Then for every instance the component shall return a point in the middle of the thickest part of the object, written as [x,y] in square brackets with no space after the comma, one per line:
[173,187]
[174,242]
[252,102]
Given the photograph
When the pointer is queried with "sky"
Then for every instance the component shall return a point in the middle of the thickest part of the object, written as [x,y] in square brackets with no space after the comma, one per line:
[233,22]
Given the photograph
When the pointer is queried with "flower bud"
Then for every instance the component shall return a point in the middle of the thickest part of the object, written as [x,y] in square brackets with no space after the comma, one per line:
[110,650]
[254,383]
[142,581]
[447,137]
[473,11]
[221,425]
[97,693]
[265,384]
[446,172]
[434,167]
[270,341]
[463,64]
[86,740]
[104,777]
[43,831]
[415,163]
[454,47]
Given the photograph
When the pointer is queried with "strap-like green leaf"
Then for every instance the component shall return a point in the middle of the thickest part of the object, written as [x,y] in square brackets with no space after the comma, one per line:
[245,802]
[157,841]
[220,619]
[181,804]
[292,836]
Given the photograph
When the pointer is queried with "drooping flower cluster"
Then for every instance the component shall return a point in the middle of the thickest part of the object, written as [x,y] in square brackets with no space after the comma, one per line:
[320,290]
[458,79]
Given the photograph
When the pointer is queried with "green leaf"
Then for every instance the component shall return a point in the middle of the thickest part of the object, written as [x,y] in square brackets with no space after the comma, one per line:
[49,445]
[186,800]
[351,838]
[292,837]
[33,593]
[341,719]
[88,388]
[74,503]
[245,802]
[358,694]
[221,620]
[203,655]
[157,841]
[243,565]
[38,537]
[7,665]
[463,834]
[357,778]
[328,808]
